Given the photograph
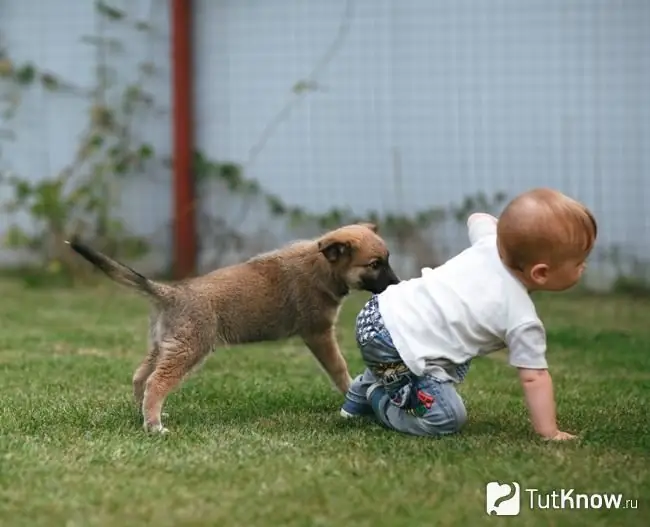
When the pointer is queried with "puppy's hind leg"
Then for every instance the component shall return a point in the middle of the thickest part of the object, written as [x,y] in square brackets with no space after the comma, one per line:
[142,373]
[148,365]
[326,350]
[177,358]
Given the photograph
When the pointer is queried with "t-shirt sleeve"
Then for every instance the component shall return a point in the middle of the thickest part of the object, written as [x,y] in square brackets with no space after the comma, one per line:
[480,225]
[527,346]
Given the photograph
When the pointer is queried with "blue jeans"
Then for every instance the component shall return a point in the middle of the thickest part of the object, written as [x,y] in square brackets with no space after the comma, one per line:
[401,400]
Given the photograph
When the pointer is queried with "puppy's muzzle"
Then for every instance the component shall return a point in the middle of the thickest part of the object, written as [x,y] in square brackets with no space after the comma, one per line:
[380,283]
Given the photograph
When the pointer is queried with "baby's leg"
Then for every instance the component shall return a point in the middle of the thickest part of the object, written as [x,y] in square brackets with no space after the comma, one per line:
[381,359]
[436,409]
[377,356]
[356,403]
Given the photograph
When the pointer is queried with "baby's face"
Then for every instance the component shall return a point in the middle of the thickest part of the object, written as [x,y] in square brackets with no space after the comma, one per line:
[565,275]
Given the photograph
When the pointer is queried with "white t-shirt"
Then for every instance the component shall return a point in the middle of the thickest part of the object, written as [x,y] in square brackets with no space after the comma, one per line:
[470,306]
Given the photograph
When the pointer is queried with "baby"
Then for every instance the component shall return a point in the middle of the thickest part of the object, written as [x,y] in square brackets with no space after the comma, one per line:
[418,338]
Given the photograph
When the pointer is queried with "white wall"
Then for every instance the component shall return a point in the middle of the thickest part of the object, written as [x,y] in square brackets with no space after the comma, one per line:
[475,95]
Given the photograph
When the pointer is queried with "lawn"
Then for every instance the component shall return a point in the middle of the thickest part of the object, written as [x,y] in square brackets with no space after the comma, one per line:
[256,438]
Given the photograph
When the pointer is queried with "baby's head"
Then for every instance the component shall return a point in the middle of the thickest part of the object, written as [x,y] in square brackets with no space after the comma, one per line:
[544,237]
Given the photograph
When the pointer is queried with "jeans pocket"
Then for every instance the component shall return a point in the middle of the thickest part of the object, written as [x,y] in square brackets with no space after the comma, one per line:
[440,406]
[424,395]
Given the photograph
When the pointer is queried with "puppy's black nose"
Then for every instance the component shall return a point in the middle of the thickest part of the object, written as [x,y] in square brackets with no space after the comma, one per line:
[393,278]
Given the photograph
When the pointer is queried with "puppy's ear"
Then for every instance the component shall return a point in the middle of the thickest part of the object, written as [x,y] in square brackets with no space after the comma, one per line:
[372,226]
[334,250]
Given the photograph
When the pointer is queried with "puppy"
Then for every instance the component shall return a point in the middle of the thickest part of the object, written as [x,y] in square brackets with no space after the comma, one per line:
[293,291]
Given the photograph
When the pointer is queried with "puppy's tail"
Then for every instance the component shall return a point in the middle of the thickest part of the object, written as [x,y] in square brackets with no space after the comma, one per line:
[122,274]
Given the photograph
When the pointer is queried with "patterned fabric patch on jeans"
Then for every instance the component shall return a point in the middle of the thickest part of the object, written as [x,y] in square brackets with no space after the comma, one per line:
[462,369]
[370,325]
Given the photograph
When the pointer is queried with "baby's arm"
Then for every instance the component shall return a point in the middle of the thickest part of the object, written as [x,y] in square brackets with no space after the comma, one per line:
[538,391]
[527,345]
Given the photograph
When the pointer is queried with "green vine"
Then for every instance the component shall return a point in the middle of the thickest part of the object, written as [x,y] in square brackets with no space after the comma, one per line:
[81,199]
[232,176]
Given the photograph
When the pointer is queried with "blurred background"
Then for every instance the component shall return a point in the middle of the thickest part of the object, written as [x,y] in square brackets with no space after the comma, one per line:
[183,136]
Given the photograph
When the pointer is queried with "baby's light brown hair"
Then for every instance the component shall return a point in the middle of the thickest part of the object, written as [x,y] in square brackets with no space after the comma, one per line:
[544,226]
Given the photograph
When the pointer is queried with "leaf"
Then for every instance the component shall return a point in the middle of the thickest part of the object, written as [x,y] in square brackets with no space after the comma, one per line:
[95,141]
[142,25]
[114,152]
[16,238]
[500,198]
[90,145]
[116,227]
[49,203]
[25,74]
[276,207]
[109,11]
[132,92]
[198,160]
[323,222]
[22,190]
[145,152]
[304,86]
[297,216]
[54,267]
[232,175]
[426,218]
[6,68]
[78,195]
[102,117]
[49,82]
[93,204]
[121,166]
[331,219]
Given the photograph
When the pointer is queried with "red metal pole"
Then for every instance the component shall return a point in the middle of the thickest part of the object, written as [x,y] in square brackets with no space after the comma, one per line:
[184,218]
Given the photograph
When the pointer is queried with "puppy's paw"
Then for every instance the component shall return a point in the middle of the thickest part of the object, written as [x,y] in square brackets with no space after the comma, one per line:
[155,429]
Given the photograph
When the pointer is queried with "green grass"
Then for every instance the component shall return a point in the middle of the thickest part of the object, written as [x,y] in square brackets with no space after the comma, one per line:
[256,439]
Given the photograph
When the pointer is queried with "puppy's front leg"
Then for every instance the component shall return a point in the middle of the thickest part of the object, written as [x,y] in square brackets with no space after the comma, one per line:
[326,350]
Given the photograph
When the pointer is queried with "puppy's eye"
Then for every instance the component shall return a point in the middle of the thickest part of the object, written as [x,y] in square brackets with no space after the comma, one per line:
[375,265]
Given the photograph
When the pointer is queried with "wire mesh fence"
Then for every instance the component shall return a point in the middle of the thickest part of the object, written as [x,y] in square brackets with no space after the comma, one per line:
[310,114]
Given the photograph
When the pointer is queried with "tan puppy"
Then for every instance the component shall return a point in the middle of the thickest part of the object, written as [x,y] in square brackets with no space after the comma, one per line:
[296,290]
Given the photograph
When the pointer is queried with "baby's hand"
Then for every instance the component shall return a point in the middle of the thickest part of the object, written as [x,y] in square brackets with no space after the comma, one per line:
[479,225]
[561,436]
[483,215]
